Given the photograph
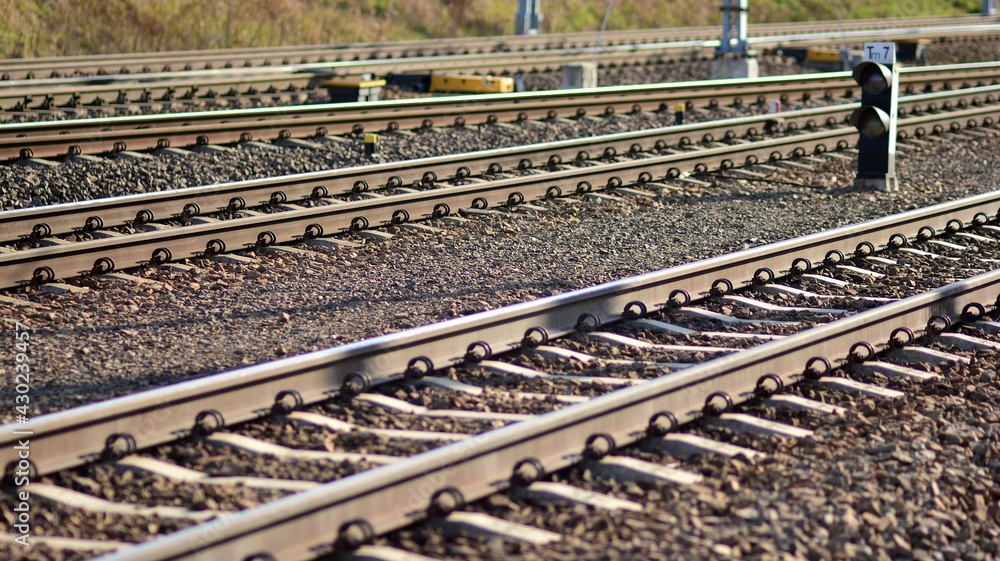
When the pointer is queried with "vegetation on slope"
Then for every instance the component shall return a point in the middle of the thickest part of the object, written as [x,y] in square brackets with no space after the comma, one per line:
[32,28]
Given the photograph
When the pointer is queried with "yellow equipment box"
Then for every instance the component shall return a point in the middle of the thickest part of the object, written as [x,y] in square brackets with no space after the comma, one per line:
[830,56]
[471,84]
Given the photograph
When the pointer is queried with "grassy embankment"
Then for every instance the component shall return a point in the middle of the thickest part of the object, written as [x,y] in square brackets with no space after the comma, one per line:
[32,28]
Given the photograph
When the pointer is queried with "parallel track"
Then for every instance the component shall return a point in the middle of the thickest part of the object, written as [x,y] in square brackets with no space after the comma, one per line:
[215,86]
[255,232]
[302,188]
[35,97]
[94,136]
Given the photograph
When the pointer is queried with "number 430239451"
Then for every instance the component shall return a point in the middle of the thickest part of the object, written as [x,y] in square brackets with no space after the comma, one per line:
[22,369]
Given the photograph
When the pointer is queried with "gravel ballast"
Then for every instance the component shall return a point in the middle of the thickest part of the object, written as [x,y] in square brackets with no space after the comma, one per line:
[912,478]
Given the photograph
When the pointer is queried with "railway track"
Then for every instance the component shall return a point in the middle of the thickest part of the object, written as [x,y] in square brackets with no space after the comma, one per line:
[102,135]
[634,174]
[145,63]
[218,87]
[638,360]
[331,187]
[156,92]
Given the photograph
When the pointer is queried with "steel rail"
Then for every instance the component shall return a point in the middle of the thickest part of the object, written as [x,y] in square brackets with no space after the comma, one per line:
[36,95]
[607,55]
[70,438]
[226,75]
[104,213]
[274,56]
[856,37]
[354,510]
[507,62]
[912,78]
[105,255]
[91,136]
[63,90]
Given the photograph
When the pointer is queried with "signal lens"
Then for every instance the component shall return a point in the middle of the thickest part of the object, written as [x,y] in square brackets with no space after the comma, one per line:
[872,127]
[873,80]
[871,122]
[873,77]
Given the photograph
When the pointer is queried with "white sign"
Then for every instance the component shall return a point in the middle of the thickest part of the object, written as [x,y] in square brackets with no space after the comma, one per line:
[884,53]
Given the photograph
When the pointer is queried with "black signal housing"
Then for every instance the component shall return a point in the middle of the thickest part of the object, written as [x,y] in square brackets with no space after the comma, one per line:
[875,120]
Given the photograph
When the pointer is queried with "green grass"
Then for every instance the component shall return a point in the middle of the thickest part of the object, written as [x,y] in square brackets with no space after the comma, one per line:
[33,28]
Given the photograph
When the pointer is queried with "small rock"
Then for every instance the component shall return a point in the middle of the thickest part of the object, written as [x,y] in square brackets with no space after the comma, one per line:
[722,550]
[902,457]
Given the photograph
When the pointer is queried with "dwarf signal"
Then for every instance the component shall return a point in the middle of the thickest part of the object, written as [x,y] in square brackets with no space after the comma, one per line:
[875,120]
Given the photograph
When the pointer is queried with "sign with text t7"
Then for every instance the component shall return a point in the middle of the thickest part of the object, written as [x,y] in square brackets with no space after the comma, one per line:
[884,53]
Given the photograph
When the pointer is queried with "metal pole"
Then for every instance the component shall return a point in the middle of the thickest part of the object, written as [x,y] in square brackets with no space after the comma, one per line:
[727,28]
[597,45]
[989,7]
[734,27]
[528,20]
[741,27]
[734,57]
